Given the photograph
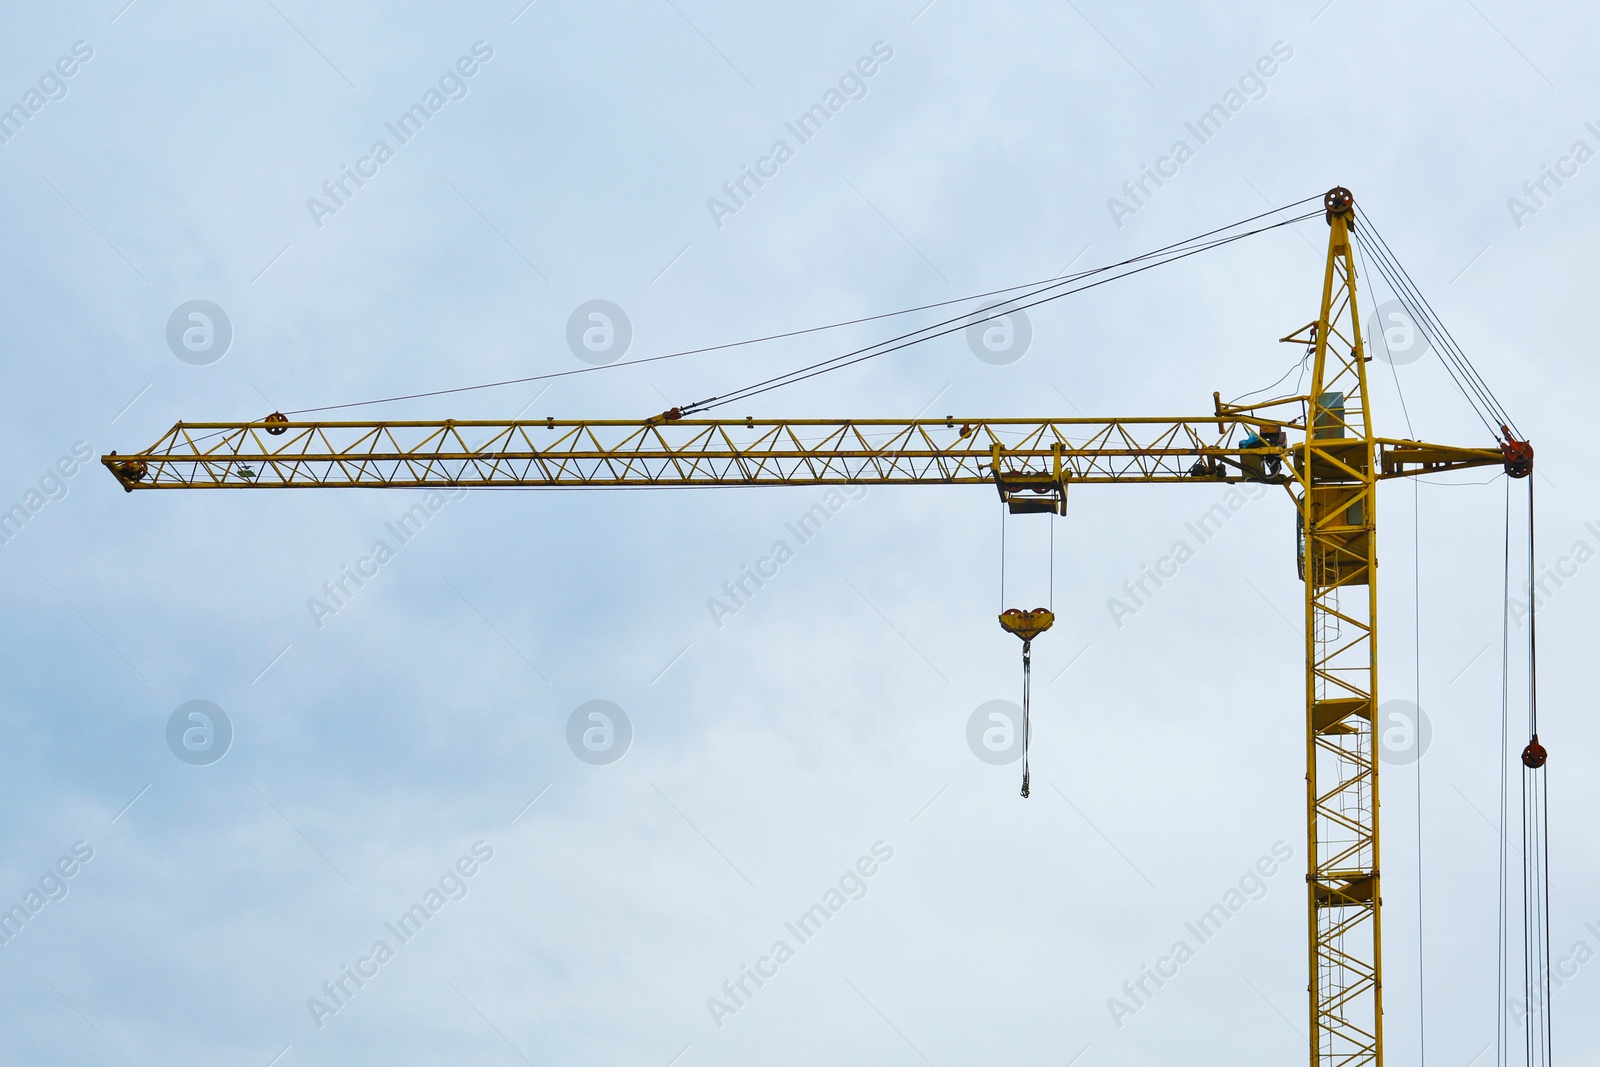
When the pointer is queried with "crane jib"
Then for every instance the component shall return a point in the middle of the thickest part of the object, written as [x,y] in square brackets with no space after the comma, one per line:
[1015,454]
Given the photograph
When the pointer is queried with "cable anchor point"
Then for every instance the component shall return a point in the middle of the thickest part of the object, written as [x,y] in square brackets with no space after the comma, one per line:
[1519,454]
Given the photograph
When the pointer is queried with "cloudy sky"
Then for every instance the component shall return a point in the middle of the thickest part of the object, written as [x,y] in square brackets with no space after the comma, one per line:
[408,744]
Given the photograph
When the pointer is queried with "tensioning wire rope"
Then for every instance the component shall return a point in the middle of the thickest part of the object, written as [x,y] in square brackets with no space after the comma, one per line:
[1172,252]
[675,355]
[1391,272]
[941,329]
[1503,925]
[1472,384]
[1410,295]
[1536,803]
[1044,283]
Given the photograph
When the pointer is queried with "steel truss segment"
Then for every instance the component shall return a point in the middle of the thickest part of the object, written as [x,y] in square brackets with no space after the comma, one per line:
[1337,468]
[614,453]
[1361,985]
[1342,921]
[1325,803]
[1324,675]
[1336,744]
[1362,634]
[1364,982]
[708,452]
[1407,459]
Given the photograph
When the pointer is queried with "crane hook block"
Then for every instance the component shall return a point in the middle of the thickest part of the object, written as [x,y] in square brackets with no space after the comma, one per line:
[1534,755]
[1026,624]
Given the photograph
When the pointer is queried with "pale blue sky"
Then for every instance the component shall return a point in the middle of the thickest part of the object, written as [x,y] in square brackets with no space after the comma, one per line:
[575,163]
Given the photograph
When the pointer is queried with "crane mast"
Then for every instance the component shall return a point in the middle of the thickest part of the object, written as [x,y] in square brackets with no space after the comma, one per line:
[1337,476]
[1330,471]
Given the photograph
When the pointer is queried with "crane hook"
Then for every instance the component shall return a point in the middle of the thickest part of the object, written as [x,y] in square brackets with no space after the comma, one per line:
[1027,625]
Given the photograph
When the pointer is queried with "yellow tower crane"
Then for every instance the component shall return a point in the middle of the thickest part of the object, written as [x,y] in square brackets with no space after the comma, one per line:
[1319,446]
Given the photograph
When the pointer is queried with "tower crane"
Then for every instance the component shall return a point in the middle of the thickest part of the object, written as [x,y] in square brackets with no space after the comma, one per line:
[1319,446]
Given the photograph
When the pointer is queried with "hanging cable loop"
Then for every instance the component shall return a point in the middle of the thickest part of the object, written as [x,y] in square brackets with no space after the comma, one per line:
[1537,971]
[1027,724]
[1536,838]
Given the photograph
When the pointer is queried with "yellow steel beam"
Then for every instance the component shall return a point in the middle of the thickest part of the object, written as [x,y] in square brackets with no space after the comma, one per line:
[556,453]
[1337,467]
[1402,459]
[540,453]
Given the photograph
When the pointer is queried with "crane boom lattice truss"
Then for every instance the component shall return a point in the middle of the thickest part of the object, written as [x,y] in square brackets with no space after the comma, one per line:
[643,454]
[1331,472]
